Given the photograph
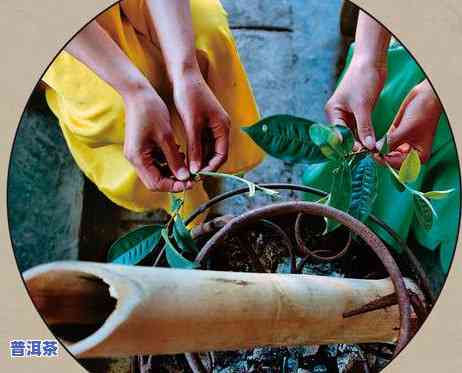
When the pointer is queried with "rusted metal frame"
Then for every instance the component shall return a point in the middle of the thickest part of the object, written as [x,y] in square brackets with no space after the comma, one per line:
[315,254]
[419,272]
[377,304]
[357,227]
[221,197]
[415,265]
[422,278]
[286,239]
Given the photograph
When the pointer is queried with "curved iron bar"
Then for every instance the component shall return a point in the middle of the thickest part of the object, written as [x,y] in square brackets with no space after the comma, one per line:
[221,197]
[422,278]
[286,240]
[415,264]
[315,254]
[359,228]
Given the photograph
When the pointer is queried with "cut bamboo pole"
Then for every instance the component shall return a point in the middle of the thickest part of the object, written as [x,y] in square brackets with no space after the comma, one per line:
[141,310]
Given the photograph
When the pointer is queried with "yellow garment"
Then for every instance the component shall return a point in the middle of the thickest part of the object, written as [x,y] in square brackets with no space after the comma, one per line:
[91,113]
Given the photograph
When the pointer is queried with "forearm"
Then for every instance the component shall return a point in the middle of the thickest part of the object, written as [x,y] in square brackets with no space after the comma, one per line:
[94,48]
[372,41]
[172,21]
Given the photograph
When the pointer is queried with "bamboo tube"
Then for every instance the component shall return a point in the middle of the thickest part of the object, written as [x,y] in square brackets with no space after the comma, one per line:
[166,311]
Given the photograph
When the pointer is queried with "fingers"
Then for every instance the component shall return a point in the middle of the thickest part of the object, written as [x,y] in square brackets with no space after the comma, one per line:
[337,114]
[364,127]
[395,159]
[175,159]
[151,176]
[220,128]
[194,136]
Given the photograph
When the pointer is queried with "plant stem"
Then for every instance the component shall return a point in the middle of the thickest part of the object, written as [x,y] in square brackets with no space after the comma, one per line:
[252,186]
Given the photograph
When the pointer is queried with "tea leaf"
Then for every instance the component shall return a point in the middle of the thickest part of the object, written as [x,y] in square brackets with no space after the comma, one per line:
[335,141]
[287,138]
[174,258]
[340,193]
[424,211]
[327,139]
[410,169]
[364,188]
[136,245]
[347,139]
[385,147]
[175,204]
[183,237]
[438,194]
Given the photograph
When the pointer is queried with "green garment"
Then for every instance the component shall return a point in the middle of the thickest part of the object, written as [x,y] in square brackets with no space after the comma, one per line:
[441,172]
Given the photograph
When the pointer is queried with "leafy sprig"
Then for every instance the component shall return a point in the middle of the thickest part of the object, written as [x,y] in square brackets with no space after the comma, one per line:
[355,178]
[178,245]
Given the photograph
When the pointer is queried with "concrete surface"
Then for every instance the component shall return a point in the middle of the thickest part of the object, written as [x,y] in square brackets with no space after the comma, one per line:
[45,191]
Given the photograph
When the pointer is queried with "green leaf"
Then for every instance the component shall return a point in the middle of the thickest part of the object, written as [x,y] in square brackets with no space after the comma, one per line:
[340,193]
[438,194]
[347,139]
[175,204]
[287,138]
[385,147]
[183,237]
[136,245]
[335,141]
[364,188]
[424,211]
[410,169]
[327,139]
[174,258]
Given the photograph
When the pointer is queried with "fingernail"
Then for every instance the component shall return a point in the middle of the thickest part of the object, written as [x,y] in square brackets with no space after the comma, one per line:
[379,145]
[369,142]
[182,174]
[195,167]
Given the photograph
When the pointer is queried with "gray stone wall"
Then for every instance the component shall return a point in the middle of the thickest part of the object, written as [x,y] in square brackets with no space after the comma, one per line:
[290,51]
[44,191]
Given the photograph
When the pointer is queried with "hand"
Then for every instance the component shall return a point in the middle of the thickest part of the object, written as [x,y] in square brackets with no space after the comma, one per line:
[147,129]
[200,111]
[414,126]
[354,99]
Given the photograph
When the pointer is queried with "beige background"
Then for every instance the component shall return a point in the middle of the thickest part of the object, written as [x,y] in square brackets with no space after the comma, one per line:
[31,32]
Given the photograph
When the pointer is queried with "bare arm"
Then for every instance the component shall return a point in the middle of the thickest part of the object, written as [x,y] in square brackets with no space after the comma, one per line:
[197,105]
[354,99]
[147,120]
[172,21]
[94,48]
[372,41]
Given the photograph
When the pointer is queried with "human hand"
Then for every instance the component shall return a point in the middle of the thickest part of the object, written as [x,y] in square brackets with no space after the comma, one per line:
[354,99]
[148,132]
[200,111]
[414,126]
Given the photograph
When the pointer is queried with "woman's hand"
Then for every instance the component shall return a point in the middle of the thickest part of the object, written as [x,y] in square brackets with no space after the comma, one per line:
[147,129]
[354,99]
[200,111]
[414,126]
